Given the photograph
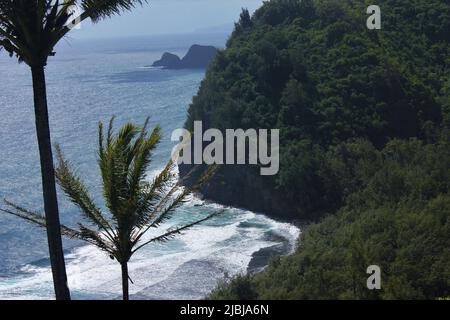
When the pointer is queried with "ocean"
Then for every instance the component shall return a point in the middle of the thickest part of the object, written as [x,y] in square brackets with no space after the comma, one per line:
[90,81]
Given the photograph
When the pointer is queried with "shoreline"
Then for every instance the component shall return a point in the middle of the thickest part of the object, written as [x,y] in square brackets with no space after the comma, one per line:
[261,258]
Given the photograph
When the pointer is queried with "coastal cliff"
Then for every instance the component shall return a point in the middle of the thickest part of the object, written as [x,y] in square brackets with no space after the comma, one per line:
[248,190]
[364,119]
[291,67]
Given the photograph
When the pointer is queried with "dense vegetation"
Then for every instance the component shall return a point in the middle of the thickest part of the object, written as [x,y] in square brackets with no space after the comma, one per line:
[365,142]
[397,217]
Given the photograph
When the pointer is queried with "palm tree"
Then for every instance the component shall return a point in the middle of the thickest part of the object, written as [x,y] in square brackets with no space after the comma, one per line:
[135,205]
[30,29]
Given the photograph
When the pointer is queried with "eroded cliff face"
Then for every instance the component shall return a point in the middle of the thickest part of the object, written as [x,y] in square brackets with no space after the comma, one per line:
[240,186]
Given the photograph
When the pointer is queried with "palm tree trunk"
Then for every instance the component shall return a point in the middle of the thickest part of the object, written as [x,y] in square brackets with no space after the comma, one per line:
[125,281]
[48,185]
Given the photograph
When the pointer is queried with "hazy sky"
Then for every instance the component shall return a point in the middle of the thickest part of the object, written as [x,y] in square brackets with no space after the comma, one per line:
[168,16]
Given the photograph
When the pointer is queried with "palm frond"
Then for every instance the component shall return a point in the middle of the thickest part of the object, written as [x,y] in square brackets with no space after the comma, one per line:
[113,166]
[96,239]
[152,196]
[24,214]
[141,155]
[163,211]
[77,192]
[166,207]
[171,233]
[99,9]
[39,220]
[17,28]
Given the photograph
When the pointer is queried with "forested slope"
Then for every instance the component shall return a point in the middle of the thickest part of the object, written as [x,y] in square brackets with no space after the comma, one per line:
[314,70]
[364,118]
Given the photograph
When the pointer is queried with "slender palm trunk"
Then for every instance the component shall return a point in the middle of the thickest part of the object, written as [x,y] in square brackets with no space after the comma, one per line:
[125,281]
[48,185]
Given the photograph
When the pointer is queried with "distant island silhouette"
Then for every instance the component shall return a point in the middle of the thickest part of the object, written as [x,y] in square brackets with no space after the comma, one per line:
[198,57]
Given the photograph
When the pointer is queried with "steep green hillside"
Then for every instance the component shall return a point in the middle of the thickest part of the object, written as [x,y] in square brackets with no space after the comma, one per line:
[314,70]
[364,118]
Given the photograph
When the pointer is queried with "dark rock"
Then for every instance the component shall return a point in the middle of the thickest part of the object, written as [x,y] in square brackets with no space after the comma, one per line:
[168,60]
[198,57]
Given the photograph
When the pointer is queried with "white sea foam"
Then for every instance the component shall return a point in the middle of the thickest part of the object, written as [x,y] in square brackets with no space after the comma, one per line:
[92,273]
[224,243]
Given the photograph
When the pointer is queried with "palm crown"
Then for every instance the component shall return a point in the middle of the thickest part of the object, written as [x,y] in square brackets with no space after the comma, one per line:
[135,204]
[30,29]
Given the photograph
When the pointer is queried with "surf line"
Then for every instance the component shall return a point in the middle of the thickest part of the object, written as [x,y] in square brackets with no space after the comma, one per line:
[192,310]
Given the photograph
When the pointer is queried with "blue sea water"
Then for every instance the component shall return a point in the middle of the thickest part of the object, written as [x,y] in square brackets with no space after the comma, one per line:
[90,81]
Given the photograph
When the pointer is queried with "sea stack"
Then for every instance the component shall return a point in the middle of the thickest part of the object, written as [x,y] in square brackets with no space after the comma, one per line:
[198,57]
[168,60]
